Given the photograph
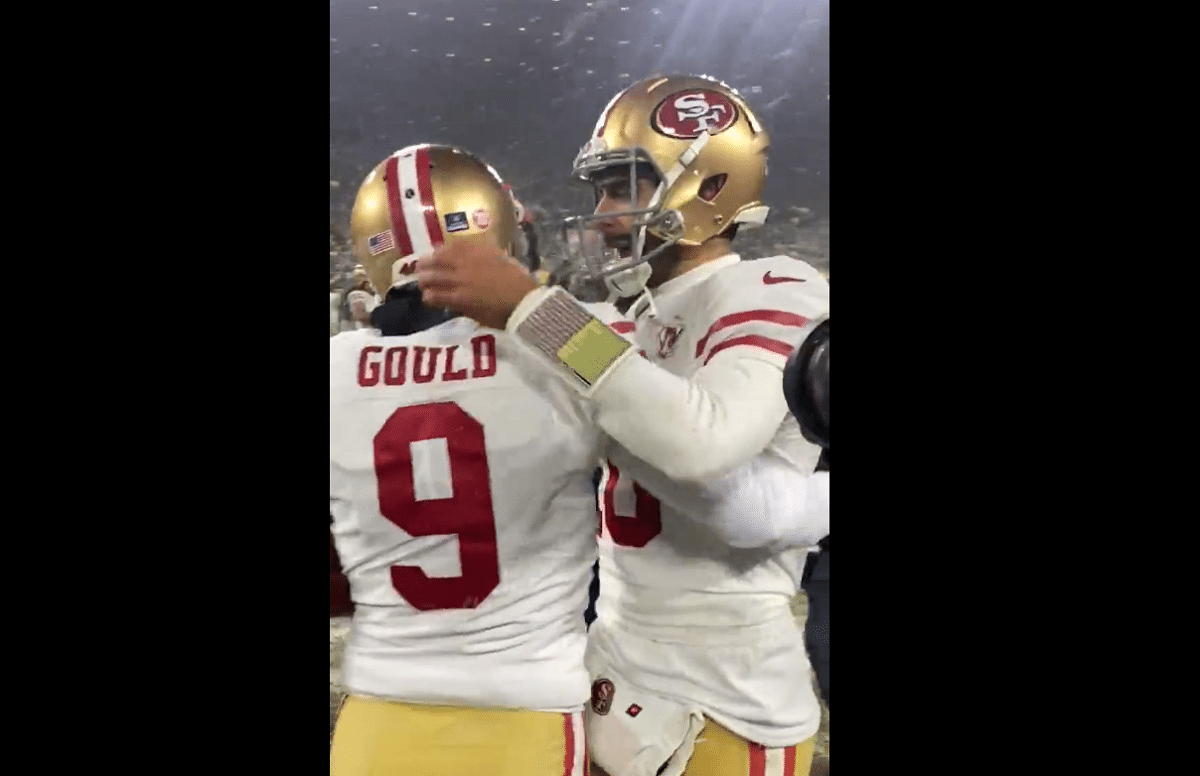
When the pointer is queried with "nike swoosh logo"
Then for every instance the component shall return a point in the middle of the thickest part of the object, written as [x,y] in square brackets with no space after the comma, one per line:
[771,280]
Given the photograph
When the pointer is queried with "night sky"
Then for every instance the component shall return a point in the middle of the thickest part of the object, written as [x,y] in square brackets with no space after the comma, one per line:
[521,83]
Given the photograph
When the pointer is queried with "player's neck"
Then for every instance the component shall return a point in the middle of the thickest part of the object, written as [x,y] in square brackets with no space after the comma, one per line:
[690,258]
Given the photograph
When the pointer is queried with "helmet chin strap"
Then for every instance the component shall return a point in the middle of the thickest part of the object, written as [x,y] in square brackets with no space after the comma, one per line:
[639,240]
[666,182]
[644,303]
[627,283]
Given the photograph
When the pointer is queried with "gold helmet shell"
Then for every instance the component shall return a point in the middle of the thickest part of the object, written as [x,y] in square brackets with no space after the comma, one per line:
[420,198]
[704,142]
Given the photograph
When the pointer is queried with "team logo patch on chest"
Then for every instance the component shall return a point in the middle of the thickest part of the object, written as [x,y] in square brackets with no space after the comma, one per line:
[602,696]
[668,338]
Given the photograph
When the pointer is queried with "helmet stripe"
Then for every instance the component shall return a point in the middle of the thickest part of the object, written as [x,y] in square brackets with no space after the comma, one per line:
[399,226]
[414,218]
[433,229]
[415,206]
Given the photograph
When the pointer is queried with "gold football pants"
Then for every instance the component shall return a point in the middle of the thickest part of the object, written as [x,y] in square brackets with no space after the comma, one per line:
[374,737]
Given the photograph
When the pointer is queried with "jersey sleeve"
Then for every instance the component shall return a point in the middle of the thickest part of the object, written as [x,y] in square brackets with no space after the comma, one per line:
[542,380]
[763,310]
[537,376]
[692,429]
[697,428]
[768,501]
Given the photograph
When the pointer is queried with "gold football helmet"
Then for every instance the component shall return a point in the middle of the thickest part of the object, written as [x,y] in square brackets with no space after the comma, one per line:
[420,198]
[706,148]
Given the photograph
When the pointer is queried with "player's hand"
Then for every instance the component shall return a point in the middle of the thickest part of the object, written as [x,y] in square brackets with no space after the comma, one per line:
[478,281]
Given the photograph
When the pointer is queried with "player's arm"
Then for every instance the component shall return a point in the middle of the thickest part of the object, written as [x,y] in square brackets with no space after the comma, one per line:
[691,429]
[768,501]
[549,384]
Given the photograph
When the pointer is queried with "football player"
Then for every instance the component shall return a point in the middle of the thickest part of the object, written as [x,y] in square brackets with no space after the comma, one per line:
[335,304]
[527,239]
[462,504]
[467,582]
[698,665]
[361,300]
[806,386]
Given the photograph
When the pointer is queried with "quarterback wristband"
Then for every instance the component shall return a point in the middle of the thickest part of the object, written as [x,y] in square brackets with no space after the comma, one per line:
[550,321]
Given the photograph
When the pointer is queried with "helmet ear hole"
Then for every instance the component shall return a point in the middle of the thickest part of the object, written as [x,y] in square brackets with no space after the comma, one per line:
[711,187]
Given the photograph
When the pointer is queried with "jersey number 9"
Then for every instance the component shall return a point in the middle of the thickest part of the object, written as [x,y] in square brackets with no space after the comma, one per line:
[466,512]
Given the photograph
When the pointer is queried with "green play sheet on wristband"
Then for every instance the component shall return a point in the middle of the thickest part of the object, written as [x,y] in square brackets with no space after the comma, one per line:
[591,350]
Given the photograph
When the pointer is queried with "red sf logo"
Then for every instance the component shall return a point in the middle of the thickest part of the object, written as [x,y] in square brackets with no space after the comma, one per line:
[602,696]
[685,115]
[667,338]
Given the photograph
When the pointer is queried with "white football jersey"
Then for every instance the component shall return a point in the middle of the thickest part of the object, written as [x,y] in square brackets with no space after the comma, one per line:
[680,611]
[465,520]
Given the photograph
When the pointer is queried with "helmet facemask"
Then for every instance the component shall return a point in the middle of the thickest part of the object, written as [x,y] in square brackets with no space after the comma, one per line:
[590,258]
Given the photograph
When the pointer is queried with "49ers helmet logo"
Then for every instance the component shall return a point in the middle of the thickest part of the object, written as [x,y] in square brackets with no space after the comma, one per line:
[684,115]
[668,337]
